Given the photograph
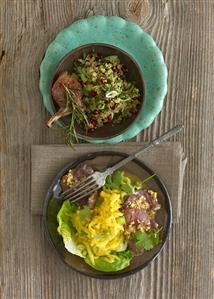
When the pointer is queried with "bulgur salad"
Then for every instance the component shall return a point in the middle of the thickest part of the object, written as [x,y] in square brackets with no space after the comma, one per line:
[95,93]
[113,225]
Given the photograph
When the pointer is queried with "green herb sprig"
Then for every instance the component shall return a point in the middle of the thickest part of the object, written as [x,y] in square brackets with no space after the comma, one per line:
[147,240]
[77,117]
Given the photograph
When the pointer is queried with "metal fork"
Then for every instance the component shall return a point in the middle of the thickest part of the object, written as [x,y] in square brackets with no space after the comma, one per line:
[96,180]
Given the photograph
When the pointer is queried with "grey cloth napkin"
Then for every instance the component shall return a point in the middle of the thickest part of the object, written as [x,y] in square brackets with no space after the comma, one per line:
[167,160]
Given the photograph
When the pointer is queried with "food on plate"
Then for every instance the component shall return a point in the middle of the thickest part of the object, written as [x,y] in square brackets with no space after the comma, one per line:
[95,93]
[111,226]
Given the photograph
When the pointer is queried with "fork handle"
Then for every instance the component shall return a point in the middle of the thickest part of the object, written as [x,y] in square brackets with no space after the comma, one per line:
[153,143]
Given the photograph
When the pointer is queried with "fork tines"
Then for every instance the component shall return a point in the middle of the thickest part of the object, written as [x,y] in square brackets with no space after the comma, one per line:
[81,189]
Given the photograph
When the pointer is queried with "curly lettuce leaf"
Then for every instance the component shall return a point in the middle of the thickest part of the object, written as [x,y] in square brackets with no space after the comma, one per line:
[123,260]
[66,229]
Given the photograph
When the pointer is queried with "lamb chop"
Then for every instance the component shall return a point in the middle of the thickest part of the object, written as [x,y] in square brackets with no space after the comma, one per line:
[59,96]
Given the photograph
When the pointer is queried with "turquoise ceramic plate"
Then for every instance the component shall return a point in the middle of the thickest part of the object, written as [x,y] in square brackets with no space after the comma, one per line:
[120,33]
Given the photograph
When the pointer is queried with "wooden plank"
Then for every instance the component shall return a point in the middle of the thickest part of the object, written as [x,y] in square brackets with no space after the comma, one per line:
[184,31]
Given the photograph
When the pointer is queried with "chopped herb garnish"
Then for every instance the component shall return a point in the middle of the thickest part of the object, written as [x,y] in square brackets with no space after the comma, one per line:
[127,188]
[119,181]
[84,213]
[98,202]
[146,240]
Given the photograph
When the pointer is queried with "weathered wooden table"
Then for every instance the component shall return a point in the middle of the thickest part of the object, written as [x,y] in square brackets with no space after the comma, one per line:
[184,30]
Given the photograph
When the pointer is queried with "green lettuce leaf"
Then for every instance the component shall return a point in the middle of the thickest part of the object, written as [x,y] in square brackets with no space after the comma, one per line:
[123,261]
[66,229]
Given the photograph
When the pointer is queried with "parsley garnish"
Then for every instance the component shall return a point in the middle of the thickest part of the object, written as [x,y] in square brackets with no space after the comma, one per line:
[116,181]
[146,240]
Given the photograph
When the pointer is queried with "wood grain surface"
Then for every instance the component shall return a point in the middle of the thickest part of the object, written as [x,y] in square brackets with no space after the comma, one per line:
[184,30]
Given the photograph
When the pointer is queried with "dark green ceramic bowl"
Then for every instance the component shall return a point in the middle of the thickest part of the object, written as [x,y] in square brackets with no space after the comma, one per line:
[100,161]
[134,74]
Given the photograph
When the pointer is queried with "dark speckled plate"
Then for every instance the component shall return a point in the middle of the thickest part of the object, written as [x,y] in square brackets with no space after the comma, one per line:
[100,161]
